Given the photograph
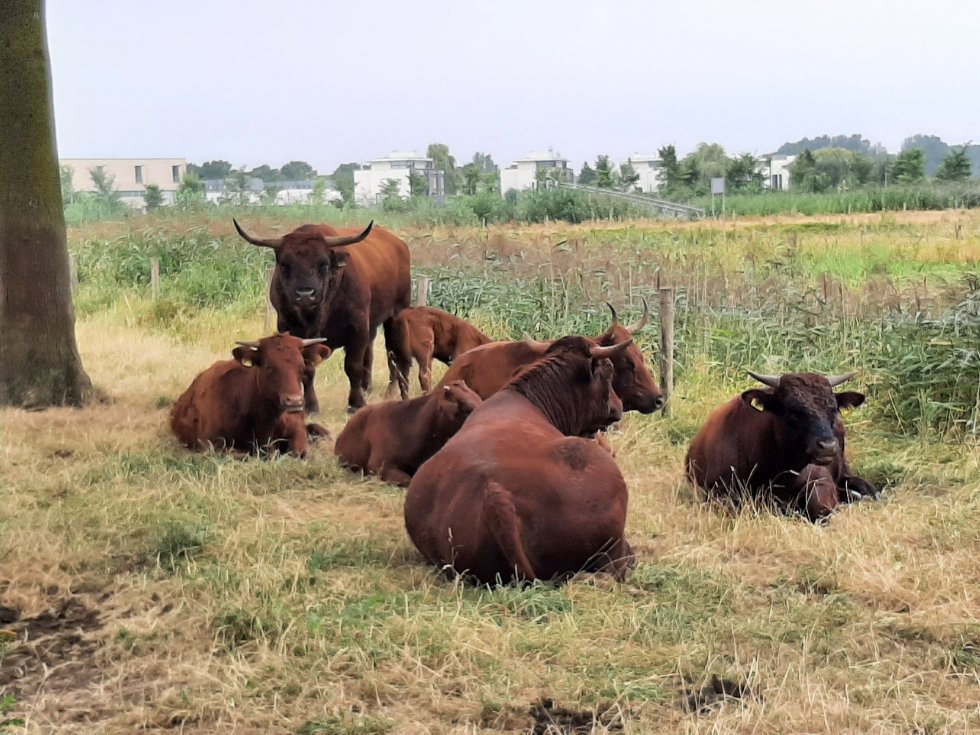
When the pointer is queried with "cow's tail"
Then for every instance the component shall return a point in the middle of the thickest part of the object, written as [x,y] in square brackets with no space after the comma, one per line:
[505,525]
[399,355]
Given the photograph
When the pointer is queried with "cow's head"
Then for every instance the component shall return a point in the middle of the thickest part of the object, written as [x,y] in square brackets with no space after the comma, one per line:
[456,403]
[807,412]
[279,363]
[578,395]
[308,265]
[632,381]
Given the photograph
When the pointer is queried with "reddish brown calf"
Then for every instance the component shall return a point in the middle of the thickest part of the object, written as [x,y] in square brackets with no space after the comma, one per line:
[393,439]
[424,333]
[254,403]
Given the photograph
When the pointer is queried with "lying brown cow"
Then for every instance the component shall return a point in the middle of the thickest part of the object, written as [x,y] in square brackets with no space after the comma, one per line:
[253,403]
[392,439]
[516,493]
[424,333]
[784,443]
[488,368]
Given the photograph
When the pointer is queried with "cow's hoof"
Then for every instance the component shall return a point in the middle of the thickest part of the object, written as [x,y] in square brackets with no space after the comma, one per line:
[351,410]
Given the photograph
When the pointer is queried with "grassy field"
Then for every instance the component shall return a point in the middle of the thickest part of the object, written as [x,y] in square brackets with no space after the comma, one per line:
[163,591]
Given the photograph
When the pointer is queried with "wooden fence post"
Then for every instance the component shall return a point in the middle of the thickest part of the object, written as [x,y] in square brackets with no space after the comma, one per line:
[73,274]
[270,310]
[154,278]
[422,290]
[667,346]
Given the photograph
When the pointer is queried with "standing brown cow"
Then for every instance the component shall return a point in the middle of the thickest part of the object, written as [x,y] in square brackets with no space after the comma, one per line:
[488,368]
[424,333]
[392,439]
[327,285]
[517,493]
[783,443]
[254,402]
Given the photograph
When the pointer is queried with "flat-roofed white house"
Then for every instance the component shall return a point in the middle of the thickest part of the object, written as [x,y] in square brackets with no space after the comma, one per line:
[647,166]
[523,173]
[130,176]
[774,168]
[398,165]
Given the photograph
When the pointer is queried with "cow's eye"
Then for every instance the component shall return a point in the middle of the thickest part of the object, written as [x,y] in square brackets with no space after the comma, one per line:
[285,270]
[323,267]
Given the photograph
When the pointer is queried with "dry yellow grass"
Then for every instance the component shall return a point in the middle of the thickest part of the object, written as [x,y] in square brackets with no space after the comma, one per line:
[198,594]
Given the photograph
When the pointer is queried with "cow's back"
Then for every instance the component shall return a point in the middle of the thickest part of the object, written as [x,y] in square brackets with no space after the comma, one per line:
[210,404]
[380,266]
[556,484]
[488,368]
[730,447]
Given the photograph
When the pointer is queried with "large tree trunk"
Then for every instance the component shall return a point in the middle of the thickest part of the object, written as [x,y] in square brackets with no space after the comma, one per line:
[39,361]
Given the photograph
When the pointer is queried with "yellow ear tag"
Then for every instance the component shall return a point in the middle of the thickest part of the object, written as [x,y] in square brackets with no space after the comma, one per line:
[757,405]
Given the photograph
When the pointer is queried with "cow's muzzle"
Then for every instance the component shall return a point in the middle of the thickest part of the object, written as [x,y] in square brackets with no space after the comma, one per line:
[291,404]
[306,294]
[825,451]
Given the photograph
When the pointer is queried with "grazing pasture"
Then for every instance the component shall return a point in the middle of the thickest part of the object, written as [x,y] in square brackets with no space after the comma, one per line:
[148,588]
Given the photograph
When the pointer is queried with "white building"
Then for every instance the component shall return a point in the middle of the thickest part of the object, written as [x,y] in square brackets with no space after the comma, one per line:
[647,165]
[369,180]
[129,176]
[775,170]
[523,173]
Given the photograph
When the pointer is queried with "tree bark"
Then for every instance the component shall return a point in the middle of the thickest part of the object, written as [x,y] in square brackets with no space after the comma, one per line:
[39,360]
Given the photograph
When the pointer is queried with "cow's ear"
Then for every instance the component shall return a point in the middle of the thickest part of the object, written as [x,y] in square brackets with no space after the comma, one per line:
[315,354]
[849,399]
[338,258]
[247,356]
[761,400]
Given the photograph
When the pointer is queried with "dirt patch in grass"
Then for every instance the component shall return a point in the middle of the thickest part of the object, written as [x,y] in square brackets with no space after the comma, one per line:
[54,650]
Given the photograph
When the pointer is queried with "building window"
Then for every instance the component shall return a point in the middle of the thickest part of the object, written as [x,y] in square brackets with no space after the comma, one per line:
[175,173]
[139,174]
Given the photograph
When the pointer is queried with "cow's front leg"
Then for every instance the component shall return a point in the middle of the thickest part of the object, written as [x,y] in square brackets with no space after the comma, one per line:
[853,488]
[354,367]
[368,362]
[310,402]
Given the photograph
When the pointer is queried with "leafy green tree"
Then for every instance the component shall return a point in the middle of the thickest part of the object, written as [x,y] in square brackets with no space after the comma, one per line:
[956,166]
[211,170]
[627,176]
[484,162]
[933,147]
[669,174]
[67,185]
[105,190]
[909,166]
[587,176]
[237,187]
[707,161]
[319,194]
[391,199]
[804,175]
[269,193]
[418,185]
[441,159]
[191,191]
[854,143]
[472,178]
[298,171]
[267,174]
[152,197]
[343,179]
[743,174]
[605,175]
[39,360]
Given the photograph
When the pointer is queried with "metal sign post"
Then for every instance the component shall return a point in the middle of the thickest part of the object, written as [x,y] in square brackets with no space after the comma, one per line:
[718,187]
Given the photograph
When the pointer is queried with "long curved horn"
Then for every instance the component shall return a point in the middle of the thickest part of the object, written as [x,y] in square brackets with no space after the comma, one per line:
[771,380]
[273,243]
[253,345]
[836,380]
[336,241]
[643,319]
[314,341]
[611,350]
[615,322]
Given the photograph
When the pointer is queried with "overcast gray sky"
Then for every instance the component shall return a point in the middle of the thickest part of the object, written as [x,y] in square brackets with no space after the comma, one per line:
[253,81]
